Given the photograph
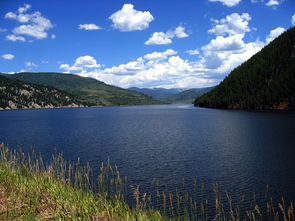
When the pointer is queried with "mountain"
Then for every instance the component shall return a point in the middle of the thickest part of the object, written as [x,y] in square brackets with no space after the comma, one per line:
[157,93]
[88,90]
[187,96]
[173,95]
[265,81]
[16,94]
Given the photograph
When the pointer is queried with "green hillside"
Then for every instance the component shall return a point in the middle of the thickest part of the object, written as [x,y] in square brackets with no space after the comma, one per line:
[16,94]
[187,96]
[265,81]
[89,90]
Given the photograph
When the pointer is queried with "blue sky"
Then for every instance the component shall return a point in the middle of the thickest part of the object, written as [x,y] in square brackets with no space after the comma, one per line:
[176,43]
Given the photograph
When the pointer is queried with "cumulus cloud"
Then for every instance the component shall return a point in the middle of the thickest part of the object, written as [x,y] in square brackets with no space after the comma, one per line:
[129,19]
[225,51]
[193,52]
[30,64]
[269,3]
[229,3]
[160,55]
[161,38]
[223,54]
[10,15]
[32,24]
[229,49]
[220,43]
[7,56]
[274,34]
[179,32]
[272,3]
[89,27]
[232,24]
[82,63]
[167,69]
[293,20]
[15,38]
[157,69]
[26,7]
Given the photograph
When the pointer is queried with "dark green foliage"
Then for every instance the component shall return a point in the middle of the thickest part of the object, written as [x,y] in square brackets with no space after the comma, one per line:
[16,94]
[265,81]
[89,90]
[187,96]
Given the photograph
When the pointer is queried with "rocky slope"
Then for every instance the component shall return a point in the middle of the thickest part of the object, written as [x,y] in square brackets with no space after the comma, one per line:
[16,94]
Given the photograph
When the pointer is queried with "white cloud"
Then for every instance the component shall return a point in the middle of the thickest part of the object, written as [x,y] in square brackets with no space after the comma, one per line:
[24,9]
[220,43]
[160,55]
[15,38]
[7,56]
[82,63]
[193,52]
[157,69]
[229,49]
[158,38]
[229,3]
[10,15]
[179,32]
[223,54]
[161,38]
[89,27]
[30,64]
[274,34]
[166,69]
[53,36]
[34,24]
[293,20]
[231,24]
[129,19]
[272,3]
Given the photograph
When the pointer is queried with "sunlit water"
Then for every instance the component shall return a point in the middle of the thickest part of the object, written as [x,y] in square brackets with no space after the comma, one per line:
[236,149]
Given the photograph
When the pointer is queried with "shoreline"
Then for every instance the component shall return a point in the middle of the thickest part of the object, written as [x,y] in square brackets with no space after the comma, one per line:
[40,108]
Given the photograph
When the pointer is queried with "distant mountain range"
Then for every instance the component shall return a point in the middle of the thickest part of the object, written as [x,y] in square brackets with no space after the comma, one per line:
[88,91]
[265,81]
[16,94]
[174,95]
[187,96]
[157,93]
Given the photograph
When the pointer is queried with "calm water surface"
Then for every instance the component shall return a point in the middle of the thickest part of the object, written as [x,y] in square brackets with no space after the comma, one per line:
[236,149]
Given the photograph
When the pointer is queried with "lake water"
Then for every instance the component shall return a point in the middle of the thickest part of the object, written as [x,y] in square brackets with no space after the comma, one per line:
[236,149]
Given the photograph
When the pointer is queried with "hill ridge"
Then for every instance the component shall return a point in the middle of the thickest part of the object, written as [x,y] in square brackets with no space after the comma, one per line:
[89,90]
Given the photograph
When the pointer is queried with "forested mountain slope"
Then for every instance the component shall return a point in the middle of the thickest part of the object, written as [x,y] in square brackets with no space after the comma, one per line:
[265,81]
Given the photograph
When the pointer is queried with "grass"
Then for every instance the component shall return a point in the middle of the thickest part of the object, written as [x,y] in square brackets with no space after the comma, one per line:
[31,189]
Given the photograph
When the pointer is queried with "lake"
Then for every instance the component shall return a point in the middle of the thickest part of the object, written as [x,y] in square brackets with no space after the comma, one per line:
[236,149]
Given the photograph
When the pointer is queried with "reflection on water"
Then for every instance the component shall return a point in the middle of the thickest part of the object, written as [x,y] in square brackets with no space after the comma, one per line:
[237,149]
